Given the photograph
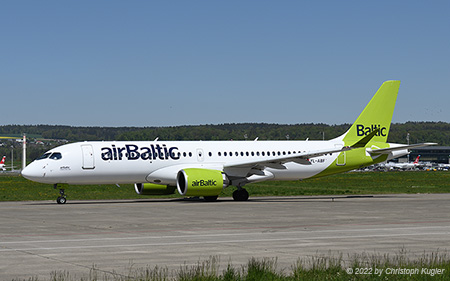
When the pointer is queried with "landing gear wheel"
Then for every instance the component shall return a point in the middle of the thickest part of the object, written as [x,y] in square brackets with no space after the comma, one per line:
[240,195]
[61,200]
[210,198]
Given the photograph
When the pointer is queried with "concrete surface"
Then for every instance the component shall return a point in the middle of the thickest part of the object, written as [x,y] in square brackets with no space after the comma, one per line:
[39,237]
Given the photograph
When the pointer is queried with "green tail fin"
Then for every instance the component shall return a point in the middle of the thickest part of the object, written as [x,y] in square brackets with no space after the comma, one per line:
[376,116]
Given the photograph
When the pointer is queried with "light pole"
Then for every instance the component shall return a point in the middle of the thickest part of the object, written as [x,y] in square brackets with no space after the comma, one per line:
[407,138]
[12,157]
[24,151]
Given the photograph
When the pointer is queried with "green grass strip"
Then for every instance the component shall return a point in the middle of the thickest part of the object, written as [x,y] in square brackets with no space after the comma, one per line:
[16,188]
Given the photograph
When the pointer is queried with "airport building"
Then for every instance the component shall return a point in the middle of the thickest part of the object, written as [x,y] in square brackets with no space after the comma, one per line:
[436,154]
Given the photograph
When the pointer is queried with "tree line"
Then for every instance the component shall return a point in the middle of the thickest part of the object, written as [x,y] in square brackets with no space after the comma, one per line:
[418,132]
[43,137]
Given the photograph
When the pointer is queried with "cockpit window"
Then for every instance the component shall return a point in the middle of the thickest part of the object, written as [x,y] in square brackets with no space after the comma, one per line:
[56,156]
[44,156]
[53,156]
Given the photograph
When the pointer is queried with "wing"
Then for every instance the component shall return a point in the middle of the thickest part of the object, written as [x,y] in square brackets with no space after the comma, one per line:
[278,161]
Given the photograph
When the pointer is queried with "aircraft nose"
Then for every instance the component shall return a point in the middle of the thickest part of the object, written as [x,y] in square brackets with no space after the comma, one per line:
[33,172]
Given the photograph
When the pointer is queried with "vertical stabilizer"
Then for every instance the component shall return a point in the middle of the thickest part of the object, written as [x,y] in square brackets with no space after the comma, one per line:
[377,115]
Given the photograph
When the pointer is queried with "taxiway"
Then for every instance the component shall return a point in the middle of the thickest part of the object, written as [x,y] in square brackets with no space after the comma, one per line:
[39,237]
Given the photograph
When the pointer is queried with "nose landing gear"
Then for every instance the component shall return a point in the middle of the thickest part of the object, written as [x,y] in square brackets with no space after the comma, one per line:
[62,198]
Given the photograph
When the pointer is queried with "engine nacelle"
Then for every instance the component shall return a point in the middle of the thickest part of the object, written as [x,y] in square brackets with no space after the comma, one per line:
[201,182]
[153,189]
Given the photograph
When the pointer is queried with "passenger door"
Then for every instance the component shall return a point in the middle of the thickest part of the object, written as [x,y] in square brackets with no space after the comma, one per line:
[88,156]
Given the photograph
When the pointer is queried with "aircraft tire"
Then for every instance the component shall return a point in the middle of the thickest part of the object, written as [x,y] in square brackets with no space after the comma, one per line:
[61,200]
[240,195]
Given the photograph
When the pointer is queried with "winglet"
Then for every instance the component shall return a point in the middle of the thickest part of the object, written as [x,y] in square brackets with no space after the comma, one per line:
[363,142]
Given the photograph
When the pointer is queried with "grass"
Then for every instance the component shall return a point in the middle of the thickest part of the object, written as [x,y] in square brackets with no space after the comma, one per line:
[359,183]
[16,188]
[434,266]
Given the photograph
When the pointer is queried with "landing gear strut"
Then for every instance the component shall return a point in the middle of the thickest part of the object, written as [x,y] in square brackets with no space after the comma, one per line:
[241,194]
[62,198]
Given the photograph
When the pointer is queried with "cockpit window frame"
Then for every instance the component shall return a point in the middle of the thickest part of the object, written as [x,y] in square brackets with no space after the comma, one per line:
[55,156]
[44,156]
[50,155]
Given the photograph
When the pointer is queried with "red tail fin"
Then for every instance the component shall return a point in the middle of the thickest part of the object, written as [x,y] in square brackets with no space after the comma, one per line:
[3,160]
[417,160]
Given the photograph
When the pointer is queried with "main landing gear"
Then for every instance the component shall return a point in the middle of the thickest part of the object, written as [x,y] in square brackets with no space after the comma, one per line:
[241,194]
[62,198]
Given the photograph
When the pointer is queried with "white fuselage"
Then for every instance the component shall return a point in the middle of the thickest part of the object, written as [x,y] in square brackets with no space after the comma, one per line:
[159,162]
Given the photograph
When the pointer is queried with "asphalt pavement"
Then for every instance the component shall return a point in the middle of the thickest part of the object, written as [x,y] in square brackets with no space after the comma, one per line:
[41,237]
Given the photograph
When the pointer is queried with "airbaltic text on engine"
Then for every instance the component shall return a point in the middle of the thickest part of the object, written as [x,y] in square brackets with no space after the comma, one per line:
[204,183]
[134,152]
[364,131]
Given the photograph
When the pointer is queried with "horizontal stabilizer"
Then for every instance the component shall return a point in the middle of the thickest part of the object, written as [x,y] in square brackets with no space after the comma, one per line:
[400,147]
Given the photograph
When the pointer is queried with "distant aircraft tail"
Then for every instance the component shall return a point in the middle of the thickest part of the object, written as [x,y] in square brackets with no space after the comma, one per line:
[374,121]
[3,160]
[417,160]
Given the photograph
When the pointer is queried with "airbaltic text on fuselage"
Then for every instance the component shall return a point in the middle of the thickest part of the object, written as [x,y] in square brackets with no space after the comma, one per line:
[361,130]
[134,152]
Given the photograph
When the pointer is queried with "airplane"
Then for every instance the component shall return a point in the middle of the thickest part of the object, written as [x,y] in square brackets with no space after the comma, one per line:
[443,167]
[204,168]
[2,164]
[403,166]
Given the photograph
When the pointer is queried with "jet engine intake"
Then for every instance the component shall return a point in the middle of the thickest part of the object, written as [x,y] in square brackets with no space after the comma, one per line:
[201,182]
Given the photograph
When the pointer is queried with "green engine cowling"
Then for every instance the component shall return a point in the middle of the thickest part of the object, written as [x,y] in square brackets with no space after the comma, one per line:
[201,182]
[153,189]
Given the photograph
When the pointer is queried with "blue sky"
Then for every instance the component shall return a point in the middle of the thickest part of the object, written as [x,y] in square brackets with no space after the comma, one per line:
[166,63]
